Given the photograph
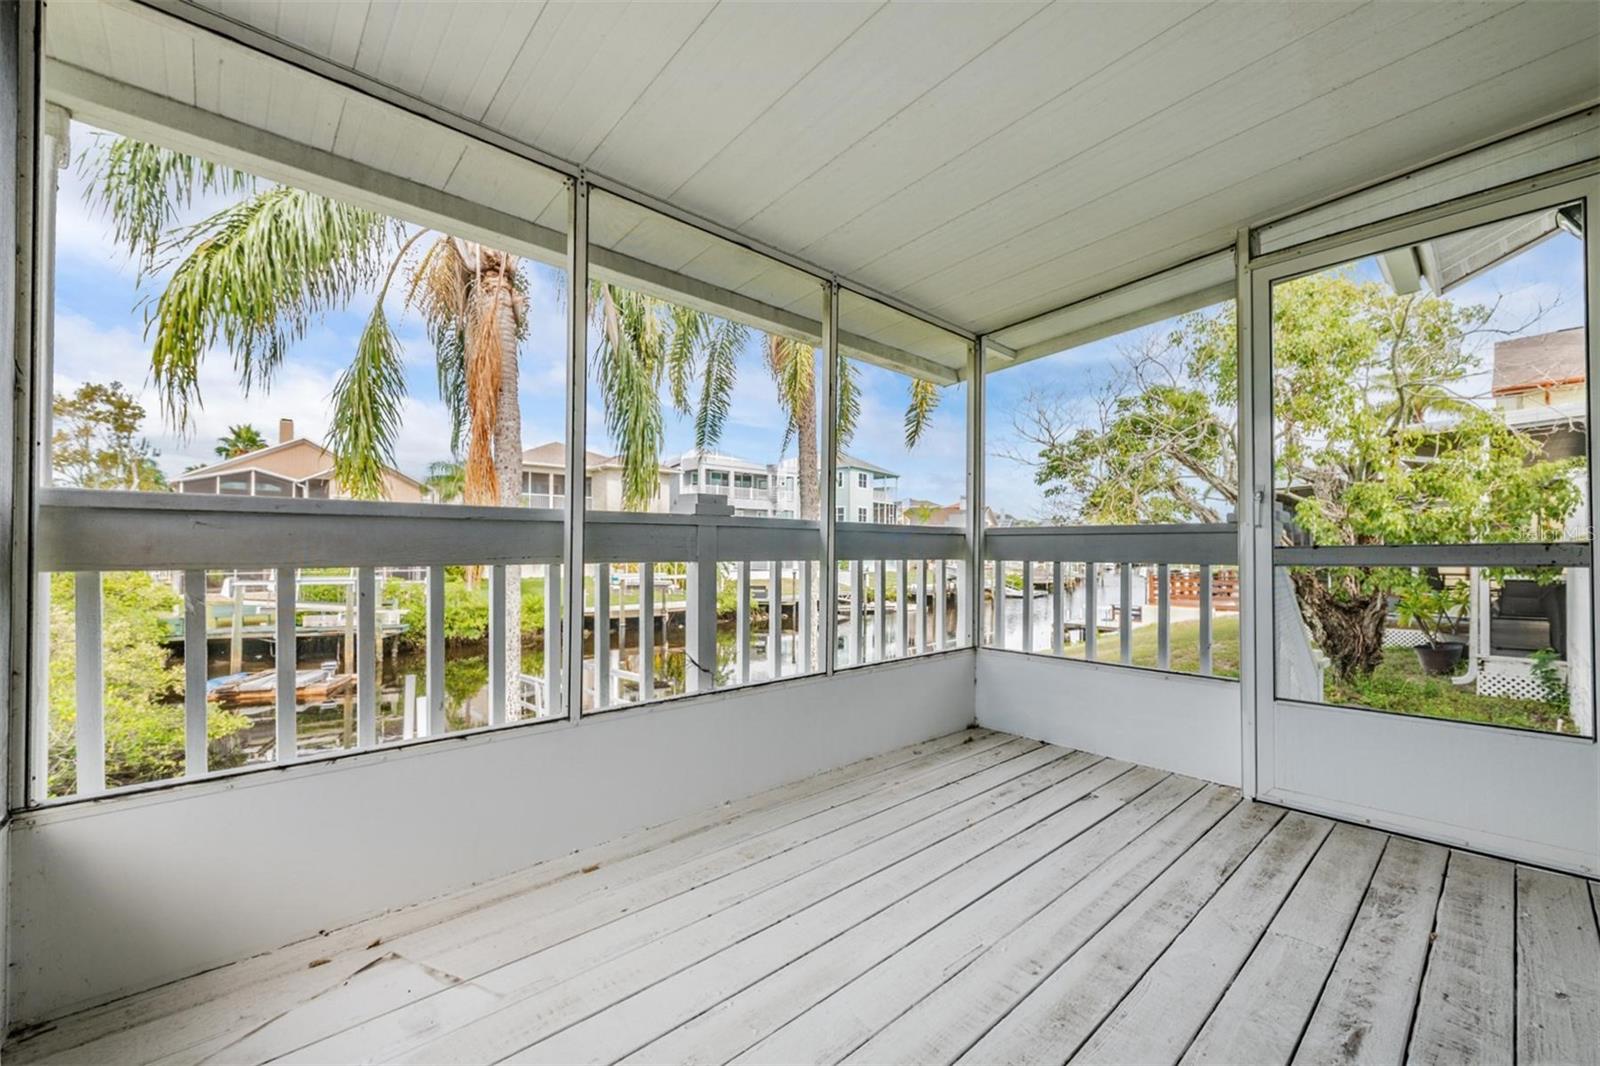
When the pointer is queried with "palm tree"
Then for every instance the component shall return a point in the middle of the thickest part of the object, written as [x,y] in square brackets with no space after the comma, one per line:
[446,480]
[650,348]
[240,440]
[255,274]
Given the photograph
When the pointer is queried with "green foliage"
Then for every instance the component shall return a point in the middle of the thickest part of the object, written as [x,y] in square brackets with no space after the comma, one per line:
[240,441]
[1399,685]
[254,276]
[1376,441]
[919,411]
[366,410]
[96,443]
[466,608]
[1437,610]
[1552,685]
[140,187]
[143,696]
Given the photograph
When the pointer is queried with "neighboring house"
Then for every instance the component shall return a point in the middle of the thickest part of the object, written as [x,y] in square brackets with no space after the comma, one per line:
[294,468]
[865,492]
[544,480]
[750,487]
[1539,385]
[928,513]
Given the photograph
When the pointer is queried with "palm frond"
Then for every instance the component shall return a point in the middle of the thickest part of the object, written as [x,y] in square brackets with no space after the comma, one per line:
[792,365]
[256,275]
[141,187]
[690,329]
[848,405]
[630,365]
[367,402]
[722,343]
[919,409]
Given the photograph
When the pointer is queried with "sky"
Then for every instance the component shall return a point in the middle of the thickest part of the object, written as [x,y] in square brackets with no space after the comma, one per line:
[1536,292]
[99,336]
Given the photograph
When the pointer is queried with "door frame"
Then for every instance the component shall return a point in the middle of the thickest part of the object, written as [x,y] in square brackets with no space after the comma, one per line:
[1469,785]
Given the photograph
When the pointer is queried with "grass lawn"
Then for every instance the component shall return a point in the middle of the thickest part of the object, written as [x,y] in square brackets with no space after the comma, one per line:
[1185,647]
[1398,685]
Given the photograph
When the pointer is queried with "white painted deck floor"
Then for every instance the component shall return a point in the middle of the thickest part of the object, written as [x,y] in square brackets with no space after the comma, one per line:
[977,898]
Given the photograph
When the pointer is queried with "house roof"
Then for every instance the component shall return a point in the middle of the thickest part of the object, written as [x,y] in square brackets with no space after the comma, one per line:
[554,453]
[851,462]
[277,459]
[1540,361]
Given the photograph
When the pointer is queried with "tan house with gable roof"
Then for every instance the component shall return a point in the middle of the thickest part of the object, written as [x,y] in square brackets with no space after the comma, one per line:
[293,468]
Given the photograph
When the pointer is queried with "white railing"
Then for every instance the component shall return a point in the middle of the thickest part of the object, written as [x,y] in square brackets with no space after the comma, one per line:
[930,599]
[184,539]
[1062,570]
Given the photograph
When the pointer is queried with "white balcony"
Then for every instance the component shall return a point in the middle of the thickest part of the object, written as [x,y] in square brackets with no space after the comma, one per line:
[340,780]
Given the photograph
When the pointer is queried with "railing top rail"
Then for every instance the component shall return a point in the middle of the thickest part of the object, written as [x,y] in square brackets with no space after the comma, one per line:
[100,530]
[1213,543]
[1166,529]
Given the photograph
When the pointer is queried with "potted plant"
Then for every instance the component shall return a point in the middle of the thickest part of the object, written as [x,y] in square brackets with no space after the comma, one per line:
[1437,609]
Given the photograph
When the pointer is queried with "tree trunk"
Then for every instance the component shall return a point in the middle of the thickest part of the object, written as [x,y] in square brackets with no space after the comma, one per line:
[1346,621]
[805,439]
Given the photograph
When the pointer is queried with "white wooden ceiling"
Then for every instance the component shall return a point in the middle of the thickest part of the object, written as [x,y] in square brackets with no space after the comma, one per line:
[984,162]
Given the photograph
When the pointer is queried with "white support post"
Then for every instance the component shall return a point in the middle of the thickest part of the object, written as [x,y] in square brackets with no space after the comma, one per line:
[858,615]
[700,644]
[1125,612]
[369,642]
[574,514]
[775,620]
[1205,619]
[939,605]
[803,620]
[742,624]
[195,761]
[435,724]
[89,683]
[997,605]
[647,631]
[1163,619]
[602,635]
[1056,594]
[1091,611]
[827,403]
[286,737]
[552,639]
[969,592]
[963,622]
[1027,605]
[411,725]
[902,581]
[880,603]
[500,696]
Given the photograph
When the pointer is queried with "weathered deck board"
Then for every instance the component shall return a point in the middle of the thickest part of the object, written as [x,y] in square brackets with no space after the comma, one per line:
[1558,969]
[1265,1010]
[976,897]
[1164,1011]
[1468,999]
[1365,1011]
[252,991]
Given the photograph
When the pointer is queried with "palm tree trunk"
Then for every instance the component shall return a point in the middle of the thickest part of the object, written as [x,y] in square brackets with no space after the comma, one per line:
[508,462]
[805,439]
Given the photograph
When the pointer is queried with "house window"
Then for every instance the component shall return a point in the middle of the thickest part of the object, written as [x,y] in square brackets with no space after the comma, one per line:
[691,477]
[861,514]
[839,479]
[838,514]
[861,480]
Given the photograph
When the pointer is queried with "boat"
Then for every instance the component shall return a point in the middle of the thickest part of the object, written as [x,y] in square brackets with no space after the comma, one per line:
[260,688]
